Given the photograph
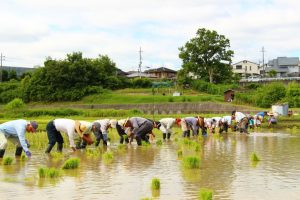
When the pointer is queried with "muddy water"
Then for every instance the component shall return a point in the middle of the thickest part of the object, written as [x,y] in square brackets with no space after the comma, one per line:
[225,168]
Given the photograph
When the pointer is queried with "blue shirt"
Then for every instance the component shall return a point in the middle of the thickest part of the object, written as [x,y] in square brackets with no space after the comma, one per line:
[16,128]
[261,114]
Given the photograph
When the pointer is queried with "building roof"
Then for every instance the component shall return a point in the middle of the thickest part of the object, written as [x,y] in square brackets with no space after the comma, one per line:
[284,61]
[243,61]
[161,69]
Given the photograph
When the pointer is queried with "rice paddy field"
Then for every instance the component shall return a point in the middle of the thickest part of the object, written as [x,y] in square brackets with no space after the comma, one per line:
[262,165]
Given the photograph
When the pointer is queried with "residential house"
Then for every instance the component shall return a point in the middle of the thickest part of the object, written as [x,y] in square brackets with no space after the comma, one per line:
[284,66]
[162,73]
[246,68]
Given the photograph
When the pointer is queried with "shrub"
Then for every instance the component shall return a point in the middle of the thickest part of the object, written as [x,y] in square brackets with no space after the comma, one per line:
[15,104]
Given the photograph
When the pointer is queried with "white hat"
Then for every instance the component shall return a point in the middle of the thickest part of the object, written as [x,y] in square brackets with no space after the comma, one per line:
[113,123]
[121,122]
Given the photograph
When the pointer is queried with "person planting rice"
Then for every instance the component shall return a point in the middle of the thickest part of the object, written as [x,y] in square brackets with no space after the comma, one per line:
[192,123]
[72,128]
[101,133]
[165,125]
[122,132]
[139,127]
[224,123]
[14,131]
[241,120]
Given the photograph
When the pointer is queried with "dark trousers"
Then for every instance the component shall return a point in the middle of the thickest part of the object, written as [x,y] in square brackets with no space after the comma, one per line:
[142,131]
[53,135]
[122,133]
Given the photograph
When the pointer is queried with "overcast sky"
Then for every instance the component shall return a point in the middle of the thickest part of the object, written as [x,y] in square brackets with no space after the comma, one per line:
[32,30]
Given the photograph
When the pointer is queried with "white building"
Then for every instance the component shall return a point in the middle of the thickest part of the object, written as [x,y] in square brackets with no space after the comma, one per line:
[246,68]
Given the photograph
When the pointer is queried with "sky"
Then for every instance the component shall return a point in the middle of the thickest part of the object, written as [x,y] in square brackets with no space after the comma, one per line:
[32,30]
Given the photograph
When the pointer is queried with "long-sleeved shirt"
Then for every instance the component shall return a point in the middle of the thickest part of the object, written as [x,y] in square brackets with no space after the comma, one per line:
[15,128]
[104,125]
[67,126]
[136,122]
[167,122]
[239,116]
[193,123]
[226,119]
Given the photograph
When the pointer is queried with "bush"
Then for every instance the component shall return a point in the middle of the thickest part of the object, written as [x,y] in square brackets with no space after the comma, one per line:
[269,94]
[15,104]
[203,86]
[293,94]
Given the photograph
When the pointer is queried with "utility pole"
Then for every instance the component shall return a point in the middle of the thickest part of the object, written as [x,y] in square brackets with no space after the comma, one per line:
[263,59]
[1,58]
[140,63]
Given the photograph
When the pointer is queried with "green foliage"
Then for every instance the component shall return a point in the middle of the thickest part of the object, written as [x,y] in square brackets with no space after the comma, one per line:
[159,142]
[269,94]
[15,104]
[155,184]
[205,194]
[71,163]
[191,162]
[170,99]
[293,94]
[203,86]
[52,112]
[108,156]
[7,160]
[272,73]
[205,56]
[141,83]
[9,91]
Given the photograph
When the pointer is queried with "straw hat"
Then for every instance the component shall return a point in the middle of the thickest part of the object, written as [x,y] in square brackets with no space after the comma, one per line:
[121,122]
[125,122]
[270,113]
[80,128]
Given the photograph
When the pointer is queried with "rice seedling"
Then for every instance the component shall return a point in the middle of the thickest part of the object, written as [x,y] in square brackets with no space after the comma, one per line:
[93,153]
[146,198]
[175,139]
[254,157]
[122,147]
[159,142]
[108,157]
[71,163]
[7,160]
[145,144]
[45,172]
[57,156]
[191,162]
[155,184]
[197,147]
[205,194]
[23,158]
[179,153]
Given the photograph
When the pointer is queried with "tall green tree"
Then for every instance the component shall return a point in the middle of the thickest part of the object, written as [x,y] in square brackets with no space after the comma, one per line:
[207,56]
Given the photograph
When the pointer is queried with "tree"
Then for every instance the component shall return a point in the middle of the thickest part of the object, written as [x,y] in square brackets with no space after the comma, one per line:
[272,73]
[207,56]
[12,74]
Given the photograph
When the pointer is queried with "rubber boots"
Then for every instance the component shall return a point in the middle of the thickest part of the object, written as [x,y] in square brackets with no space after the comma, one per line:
[49,148]
[2,151]
[169,135]
[59,147]
[164,136]
[19,151]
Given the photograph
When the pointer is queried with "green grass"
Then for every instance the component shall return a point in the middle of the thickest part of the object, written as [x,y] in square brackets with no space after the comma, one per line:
[191,162]
[254,157]
[7,160]
[71,163]
[205,194]
[155,184]
[45,172]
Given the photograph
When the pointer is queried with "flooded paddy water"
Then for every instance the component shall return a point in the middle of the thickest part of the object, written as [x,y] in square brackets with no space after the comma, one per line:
[225,168]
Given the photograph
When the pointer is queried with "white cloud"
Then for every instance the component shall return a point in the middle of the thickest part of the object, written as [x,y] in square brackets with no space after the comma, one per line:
[34,29]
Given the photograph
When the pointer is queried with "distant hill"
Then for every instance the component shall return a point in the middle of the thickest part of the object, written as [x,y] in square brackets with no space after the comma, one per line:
[19,70]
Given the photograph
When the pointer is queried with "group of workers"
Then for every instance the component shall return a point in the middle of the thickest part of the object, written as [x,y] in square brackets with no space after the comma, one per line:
[138,128]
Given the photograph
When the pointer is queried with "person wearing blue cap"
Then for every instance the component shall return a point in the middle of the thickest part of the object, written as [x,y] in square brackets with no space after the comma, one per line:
[15,132]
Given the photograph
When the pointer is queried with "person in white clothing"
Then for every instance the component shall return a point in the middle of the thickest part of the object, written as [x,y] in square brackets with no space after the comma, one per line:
[165,125]
[241,120]
[67,126]
[224,123]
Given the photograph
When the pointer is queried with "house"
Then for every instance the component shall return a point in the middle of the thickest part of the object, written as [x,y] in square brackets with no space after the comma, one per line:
[135,74]
[162,73]
[284,66]
[246,68]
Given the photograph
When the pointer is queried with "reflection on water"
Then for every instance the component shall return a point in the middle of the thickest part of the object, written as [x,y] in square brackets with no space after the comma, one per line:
[225,168]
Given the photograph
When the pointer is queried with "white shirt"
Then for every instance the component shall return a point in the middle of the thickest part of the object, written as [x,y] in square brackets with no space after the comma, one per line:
[67,126]
[239,116]
[104,123]
[226,119]
[167,122]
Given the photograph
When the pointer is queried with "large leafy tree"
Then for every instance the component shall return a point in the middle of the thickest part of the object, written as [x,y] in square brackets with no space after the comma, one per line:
[70,78]
[207,56]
